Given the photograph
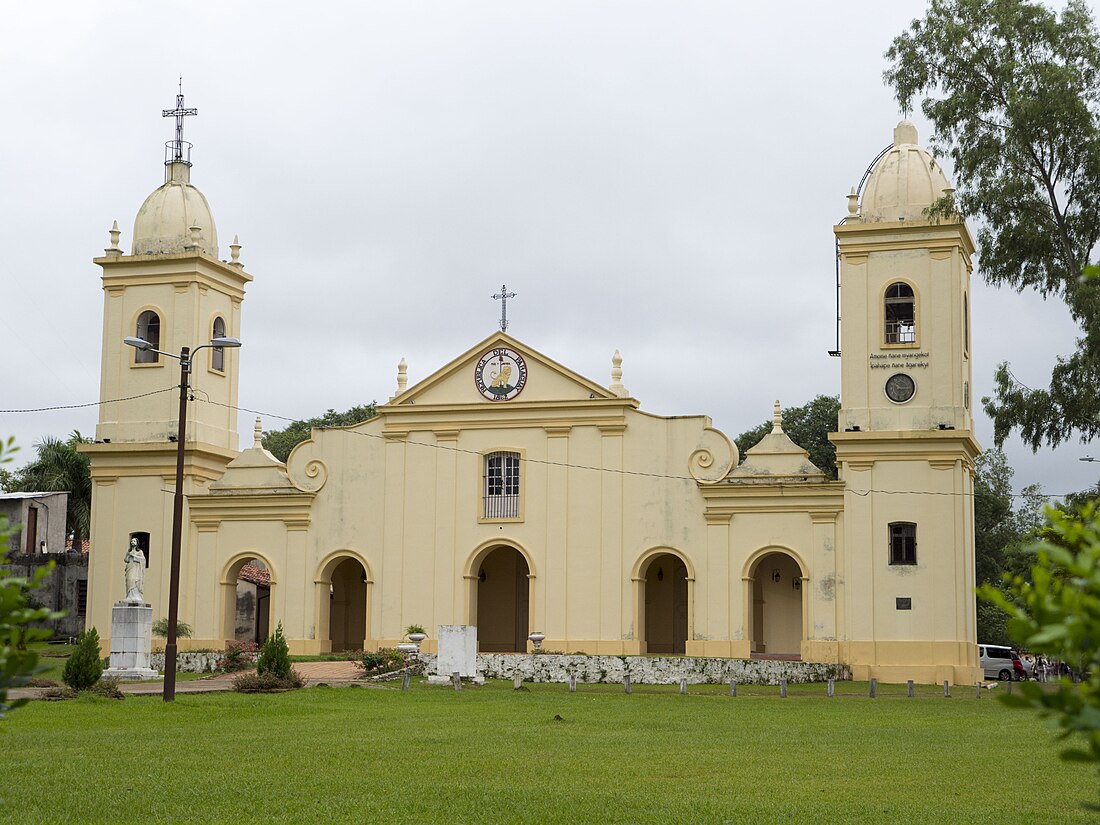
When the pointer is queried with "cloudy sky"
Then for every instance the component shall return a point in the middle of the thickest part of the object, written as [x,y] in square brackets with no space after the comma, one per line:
[661,178]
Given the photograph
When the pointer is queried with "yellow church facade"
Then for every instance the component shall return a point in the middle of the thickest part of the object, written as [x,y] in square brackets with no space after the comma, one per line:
[508,492]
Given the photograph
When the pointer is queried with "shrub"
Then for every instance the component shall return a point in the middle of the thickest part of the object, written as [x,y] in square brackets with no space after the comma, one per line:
[274,655]
[267,682]
[183,629]
[107,688]
[237,656]
[383,660]
[84,666]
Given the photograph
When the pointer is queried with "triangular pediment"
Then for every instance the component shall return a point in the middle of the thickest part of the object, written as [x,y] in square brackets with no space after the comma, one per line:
[503,368]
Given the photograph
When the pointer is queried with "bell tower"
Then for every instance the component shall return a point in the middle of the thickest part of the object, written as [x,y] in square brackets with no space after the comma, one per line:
[173,292]
[905,446]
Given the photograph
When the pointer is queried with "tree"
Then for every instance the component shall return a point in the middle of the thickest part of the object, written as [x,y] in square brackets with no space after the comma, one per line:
[84,666]
[274,655]
[18,662]
[808,426]
[61,466]
[1057,613]
[1003,533]
[1012,91]
[280,442]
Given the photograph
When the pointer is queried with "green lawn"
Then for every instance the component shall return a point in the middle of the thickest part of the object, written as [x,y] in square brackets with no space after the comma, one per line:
[491,754]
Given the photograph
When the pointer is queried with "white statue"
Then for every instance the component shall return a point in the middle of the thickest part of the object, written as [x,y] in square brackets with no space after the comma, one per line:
[135,573]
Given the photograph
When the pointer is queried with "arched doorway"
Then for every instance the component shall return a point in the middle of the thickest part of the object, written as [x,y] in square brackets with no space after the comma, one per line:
[503,601]
[348,605]
[246,600]
[776,611]
[666,605]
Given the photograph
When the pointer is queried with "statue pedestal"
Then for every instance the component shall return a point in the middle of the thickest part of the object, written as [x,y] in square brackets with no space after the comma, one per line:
[131,641]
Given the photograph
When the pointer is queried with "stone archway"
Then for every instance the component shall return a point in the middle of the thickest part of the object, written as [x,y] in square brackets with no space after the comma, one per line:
[776,605]
[348,606]
[666,605]
[248,584]
[503,586]
[343,586]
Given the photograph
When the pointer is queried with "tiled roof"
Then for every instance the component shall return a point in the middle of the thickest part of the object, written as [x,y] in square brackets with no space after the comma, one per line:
[255,574]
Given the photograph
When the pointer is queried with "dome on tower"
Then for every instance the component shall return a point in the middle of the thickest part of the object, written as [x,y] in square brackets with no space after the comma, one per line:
[164,222]
[905,181]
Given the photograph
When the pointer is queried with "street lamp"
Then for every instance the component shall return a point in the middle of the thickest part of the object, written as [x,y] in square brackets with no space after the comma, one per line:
[185,358]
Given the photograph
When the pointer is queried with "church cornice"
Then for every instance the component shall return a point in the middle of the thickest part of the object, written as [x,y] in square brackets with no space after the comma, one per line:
[858,237]
[178,268]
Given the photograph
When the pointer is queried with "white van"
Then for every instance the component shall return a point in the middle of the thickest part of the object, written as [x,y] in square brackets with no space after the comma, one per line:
[996,662]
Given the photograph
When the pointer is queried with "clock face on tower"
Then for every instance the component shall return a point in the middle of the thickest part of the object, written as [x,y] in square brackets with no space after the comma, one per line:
[900,388]
[500,374]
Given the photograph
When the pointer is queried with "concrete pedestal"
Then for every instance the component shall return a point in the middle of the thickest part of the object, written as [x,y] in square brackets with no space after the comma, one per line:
[457,654]
[131,642]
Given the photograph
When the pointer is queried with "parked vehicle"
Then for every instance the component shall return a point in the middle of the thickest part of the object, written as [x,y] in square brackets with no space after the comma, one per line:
[997,662]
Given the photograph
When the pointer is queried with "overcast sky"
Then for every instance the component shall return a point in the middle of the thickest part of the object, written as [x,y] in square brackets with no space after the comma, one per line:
[661,178]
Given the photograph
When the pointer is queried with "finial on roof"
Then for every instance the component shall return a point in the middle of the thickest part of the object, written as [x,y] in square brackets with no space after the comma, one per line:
[617,376]
[853,203]
[777,418]
[258,434]
[402,376]
[114,249]
[235,253]
[905,133]
[196,238]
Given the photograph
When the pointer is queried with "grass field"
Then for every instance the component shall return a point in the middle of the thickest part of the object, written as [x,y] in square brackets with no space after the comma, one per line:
[492,754]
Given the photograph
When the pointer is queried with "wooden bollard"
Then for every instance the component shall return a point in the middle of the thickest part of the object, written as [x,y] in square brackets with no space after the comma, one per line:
[405,681]
[626,685]
[683,687]
[979,684]
[830,688]
[1008,688]
[909,688]
[733,688]
[946,689]
[872,691]
[572,683]
[457,680]
[783,688]
[517,682]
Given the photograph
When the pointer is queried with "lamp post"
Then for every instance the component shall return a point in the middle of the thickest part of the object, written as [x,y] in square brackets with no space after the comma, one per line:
[185,358]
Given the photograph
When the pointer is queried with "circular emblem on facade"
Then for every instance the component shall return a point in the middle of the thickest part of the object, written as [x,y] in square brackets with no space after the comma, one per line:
[500,374]
[900,388]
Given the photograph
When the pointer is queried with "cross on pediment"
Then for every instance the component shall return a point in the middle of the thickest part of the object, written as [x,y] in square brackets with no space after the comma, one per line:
[503,297]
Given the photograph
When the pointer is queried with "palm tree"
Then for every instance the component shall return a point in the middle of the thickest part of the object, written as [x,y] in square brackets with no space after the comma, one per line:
[61,467]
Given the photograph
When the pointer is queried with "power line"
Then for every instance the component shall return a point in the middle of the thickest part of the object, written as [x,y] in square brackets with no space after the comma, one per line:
[568,465]
[89,404]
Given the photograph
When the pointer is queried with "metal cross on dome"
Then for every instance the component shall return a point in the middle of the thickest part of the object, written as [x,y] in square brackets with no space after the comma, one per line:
[503,297]
[179,113]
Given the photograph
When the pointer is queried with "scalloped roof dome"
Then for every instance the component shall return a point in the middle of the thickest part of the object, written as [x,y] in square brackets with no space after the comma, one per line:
[163,224]
[905,181]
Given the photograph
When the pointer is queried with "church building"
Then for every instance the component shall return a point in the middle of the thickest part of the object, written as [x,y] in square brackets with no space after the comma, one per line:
[508,492]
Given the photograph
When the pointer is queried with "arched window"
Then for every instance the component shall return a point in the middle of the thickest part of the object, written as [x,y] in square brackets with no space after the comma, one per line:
[148,329]
[903,542]
[501,485]
[900,315]
[217,354]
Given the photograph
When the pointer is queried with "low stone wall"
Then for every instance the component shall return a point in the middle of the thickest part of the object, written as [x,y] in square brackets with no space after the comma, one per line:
[194,661]
[647,670]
